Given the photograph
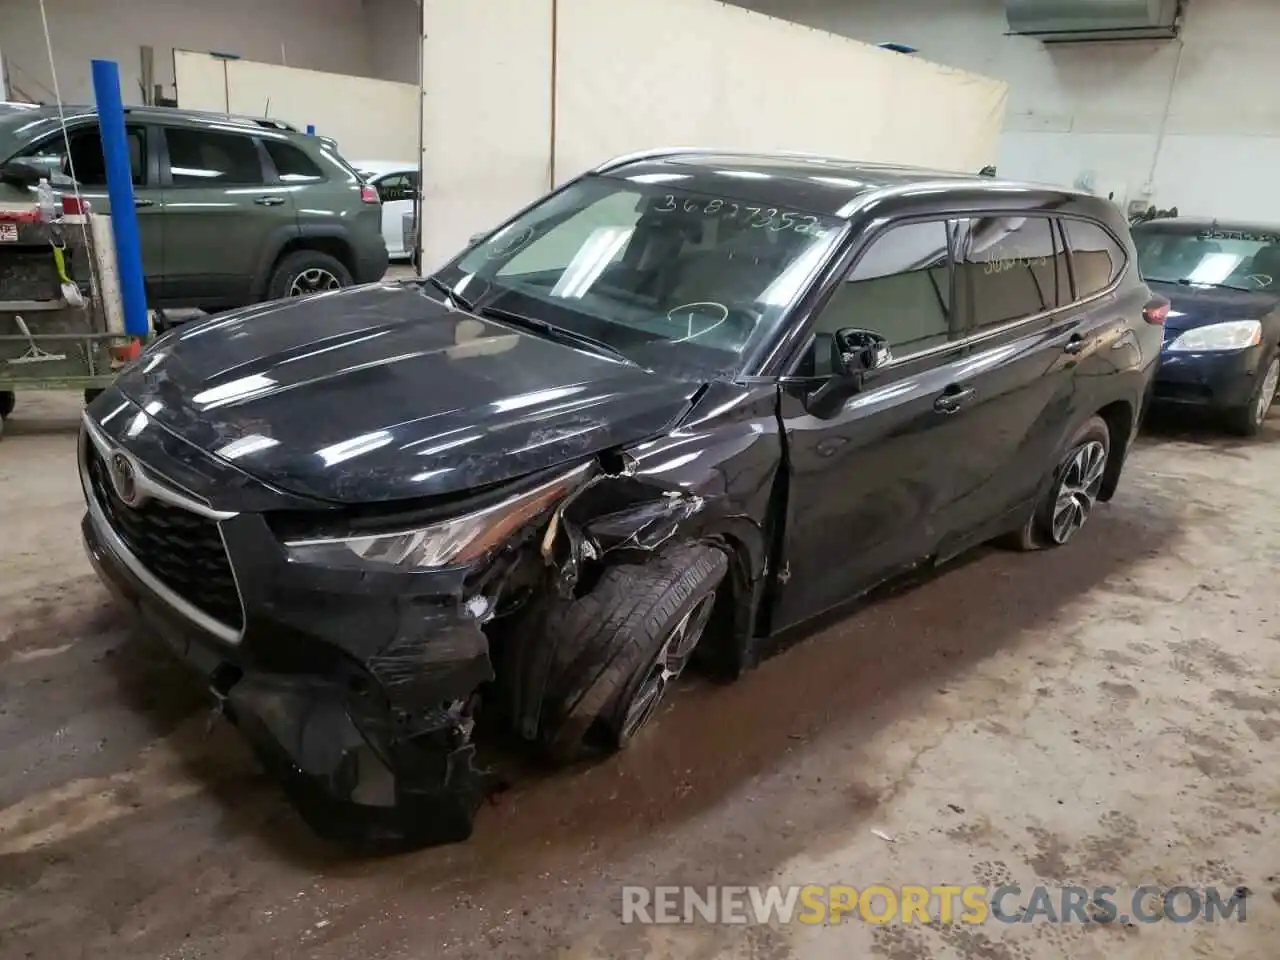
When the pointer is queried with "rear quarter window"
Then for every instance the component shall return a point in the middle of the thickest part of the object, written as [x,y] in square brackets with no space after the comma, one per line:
[1097,260]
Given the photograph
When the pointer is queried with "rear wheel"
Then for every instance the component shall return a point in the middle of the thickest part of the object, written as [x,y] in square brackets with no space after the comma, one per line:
[1077,480]
[8,400]
[306,272]
[1248,420]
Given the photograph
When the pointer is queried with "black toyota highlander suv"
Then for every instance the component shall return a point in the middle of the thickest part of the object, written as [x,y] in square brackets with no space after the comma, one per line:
[685,402]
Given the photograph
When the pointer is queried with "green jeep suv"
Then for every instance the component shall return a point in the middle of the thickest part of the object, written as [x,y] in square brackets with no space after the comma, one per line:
[231,210]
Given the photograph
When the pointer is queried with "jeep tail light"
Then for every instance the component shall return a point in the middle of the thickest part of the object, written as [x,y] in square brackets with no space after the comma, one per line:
[1156,311]
[368,194]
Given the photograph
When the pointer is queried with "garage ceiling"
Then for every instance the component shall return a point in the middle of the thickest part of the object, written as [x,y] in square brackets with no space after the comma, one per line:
[1058,21]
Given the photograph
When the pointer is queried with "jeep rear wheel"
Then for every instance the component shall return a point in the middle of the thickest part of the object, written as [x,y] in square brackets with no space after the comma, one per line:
[306,272]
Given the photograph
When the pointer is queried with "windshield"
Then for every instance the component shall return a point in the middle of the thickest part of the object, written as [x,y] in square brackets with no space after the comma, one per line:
[681,282]
[1221,256]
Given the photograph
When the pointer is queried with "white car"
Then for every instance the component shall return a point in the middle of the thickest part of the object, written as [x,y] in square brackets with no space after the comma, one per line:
[397,186]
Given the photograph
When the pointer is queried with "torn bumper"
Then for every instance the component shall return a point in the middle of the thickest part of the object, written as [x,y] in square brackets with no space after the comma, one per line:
[352,693]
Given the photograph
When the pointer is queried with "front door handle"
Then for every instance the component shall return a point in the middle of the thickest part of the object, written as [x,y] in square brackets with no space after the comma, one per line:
[1075,344]
[952,399]
[269,201]
[139,202]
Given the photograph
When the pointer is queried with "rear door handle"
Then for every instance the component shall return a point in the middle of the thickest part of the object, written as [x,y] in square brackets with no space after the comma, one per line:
[1075,344]
[269,201]
[952,399]
[139,202]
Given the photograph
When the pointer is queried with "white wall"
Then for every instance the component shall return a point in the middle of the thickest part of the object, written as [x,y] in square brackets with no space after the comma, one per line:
[1196,121]
[325,35]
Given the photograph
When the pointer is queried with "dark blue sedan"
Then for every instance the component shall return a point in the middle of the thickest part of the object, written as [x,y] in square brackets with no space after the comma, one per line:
[1222,280]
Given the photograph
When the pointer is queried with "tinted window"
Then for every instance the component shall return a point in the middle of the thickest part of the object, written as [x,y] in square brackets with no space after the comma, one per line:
[900,289]
[203,158]
[1096,258]
[86,156]
[1010,269]
[292,165]
[394,187]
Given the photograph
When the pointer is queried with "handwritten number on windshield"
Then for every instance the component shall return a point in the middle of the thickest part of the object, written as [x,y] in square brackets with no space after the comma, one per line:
[756,218]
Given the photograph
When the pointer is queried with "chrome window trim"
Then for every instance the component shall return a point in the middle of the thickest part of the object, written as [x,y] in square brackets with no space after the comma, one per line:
[1003,328]
[222,631]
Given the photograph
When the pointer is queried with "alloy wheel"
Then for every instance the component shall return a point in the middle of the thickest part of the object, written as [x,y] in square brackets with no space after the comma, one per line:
[313,280]
[671,659]
[1267,396]
[1078,490]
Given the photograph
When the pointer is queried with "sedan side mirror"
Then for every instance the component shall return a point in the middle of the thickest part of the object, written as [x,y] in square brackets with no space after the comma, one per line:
[854,354]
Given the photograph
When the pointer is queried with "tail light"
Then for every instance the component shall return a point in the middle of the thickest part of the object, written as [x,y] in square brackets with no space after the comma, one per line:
[73,206]
[1156,311]
[368,194]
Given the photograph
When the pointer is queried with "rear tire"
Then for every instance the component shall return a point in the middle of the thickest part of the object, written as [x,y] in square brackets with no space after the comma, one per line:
[307,272]
[1248,421]
[623,645]
[1071,497]
[8,400]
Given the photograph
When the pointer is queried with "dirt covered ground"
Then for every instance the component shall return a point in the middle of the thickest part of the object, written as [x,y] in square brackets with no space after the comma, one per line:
[1104,715]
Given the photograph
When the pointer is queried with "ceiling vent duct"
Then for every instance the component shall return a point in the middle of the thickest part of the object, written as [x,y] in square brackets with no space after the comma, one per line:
[1063,21]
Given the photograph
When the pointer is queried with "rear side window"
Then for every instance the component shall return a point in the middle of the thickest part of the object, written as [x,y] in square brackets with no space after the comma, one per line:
[1096,258]
[1011,268]
[292,165]
[204,158]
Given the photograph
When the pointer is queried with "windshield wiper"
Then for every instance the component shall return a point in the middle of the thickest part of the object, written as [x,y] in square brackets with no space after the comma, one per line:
[1188,282]
[552,332]
[456,300]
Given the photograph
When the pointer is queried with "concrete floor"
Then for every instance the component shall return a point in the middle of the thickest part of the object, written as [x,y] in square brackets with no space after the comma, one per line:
[1107,714]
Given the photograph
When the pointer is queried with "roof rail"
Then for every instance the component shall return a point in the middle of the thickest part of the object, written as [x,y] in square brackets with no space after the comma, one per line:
[653,154]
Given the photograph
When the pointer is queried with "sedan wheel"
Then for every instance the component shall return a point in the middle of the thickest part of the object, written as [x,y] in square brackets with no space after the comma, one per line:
[1078,488]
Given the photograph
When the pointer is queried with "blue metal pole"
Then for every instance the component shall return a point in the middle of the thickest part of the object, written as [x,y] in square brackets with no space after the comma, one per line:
[124,218]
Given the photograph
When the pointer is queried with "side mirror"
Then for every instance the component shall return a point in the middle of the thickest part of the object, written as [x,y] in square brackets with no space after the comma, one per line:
[854,354]
[22,173]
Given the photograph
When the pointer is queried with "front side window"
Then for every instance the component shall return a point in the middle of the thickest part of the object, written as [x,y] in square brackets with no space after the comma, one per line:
[672,279]
[206,158]
[86,157]
[900,288]
[1011,268]
[1220,256]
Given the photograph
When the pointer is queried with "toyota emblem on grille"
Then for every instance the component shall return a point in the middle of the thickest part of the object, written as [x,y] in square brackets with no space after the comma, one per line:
[124,477]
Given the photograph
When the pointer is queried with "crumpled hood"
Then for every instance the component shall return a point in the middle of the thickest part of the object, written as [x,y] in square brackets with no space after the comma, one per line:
[380,393]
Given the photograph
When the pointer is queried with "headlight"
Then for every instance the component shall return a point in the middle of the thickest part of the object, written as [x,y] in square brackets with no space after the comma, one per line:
[453,542]
[1232,335]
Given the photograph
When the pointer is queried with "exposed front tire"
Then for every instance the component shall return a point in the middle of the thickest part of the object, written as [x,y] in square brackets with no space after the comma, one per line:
[1248,420]
[8,400]
[306,272]
[1071,497]
[623,645]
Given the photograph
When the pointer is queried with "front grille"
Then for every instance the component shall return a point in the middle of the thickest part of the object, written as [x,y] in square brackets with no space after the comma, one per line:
[181,549]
